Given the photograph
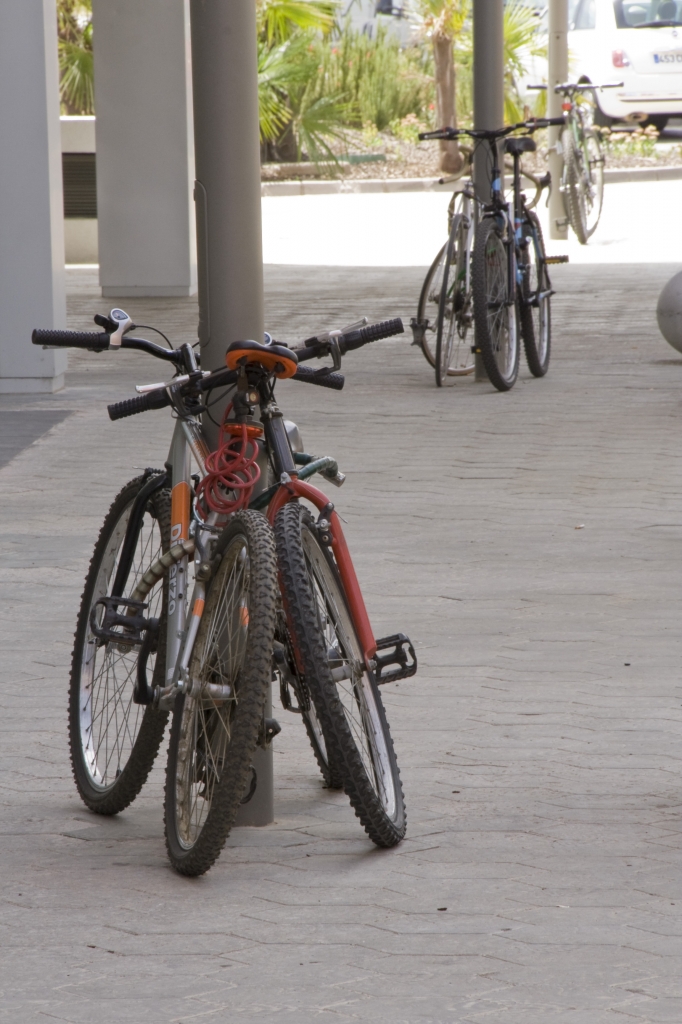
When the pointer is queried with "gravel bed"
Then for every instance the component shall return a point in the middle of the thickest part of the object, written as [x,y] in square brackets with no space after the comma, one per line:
[403,158]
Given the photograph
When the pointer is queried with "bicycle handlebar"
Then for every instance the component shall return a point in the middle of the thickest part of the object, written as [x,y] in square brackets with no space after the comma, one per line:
[319,345]
[95,341]
[161,398]
[101,342]
[493,133]
[567,87]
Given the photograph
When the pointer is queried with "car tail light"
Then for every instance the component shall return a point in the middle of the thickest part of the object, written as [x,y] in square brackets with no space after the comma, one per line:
[620,59]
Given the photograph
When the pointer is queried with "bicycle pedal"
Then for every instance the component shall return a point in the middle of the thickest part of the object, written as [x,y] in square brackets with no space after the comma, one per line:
[556,259]
[131,625]
[402,654]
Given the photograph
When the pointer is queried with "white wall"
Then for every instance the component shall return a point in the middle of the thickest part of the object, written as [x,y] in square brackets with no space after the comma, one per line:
[145,147]
[31,211]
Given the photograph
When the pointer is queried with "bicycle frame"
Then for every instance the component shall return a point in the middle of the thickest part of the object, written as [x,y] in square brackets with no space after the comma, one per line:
[291,488]
[190,537]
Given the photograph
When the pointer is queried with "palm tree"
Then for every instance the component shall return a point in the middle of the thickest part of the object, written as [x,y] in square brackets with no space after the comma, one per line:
[76,72]
[293,116]
[443,21]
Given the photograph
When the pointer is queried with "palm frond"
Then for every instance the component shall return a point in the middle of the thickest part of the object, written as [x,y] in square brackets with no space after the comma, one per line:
[278,19]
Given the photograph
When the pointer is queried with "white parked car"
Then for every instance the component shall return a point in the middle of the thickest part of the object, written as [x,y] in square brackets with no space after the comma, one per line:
[636,42]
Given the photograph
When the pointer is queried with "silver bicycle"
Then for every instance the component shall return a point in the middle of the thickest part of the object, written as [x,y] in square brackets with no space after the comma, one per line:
[445,310]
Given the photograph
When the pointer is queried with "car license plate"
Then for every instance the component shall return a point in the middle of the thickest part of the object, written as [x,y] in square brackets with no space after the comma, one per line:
[669,57]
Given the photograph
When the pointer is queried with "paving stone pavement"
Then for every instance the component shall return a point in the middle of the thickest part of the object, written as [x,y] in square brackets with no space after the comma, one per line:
[529,543]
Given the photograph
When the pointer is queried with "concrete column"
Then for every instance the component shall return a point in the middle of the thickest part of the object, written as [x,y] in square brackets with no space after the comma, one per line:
[557,73]
[31,213]
[488,82]
[228,209]
[145,158]
[227,190]
[488,25]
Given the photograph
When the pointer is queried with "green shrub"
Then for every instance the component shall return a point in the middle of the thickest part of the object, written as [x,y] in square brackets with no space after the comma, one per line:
[379,81]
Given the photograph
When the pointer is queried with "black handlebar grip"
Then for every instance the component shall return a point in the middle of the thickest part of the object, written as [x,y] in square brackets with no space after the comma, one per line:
[92,340]
[142,403]
[335,381]
[439,133]
[385,329]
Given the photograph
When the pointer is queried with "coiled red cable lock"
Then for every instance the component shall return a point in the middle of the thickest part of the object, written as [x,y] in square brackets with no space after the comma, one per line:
[231,470]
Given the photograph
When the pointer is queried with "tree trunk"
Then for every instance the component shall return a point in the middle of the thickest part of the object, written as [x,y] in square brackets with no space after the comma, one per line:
[450,156]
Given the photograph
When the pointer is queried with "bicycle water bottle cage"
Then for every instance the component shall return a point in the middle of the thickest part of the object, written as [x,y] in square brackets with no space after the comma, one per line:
[401,654]
[126,629]
[276,358]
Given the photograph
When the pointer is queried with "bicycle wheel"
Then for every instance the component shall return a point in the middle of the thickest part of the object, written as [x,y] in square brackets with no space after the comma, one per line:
[534,298]
[453,353]
[112,740]
[445,305]
[213,738]
[291,676]
[595,185]
[346,698]
[583,183]
[494,314]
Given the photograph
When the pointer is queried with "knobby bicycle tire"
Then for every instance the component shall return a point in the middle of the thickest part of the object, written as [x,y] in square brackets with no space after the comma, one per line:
[495,322]
[113,741]
[333,778]
[534,303]
[347,699]
[212,740]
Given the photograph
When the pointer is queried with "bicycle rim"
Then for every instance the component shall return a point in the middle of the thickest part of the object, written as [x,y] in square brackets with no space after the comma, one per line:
[206,726]
[593,182]
[453,352]
[109,720]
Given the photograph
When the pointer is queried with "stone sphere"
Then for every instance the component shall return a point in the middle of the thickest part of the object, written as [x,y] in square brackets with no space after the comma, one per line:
[669,312]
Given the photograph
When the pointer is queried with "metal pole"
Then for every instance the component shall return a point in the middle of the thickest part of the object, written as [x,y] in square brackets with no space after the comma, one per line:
[228,210]
[488,24]
[557,73]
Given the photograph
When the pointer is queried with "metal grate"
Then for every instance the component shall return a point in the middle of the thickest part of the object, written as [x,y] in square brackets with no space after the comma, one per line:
[80,184]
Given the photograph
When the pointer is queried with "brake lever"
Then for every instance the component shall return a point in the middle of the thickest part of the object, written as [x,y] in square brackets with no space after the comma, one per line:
[334,349]
[143,389]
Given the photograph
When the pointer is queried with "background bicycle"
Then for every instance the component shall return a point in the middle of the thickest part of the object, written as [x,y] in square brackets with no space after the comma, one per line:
[510,285]
[582,177]
[444,321]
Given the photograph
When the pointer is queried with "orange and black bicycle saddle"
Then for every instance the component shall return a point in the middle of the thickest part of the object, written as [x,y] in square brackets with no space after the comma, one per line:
[280,360]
